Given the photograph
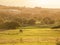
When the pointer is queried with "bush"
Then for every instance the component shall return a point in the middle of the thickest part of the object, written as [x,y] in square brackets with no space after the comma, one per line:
[10,25]
[31,22]
[48,21]
[56,27]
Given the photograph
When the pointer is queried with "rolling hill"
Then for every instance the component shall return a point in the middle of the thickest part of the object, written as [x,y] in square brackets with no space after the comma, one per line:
[12,13]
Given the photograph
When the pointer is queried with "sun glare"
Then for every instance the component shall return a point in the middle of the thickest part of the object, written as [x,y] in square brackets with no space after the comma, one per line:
[32,3]
[36,3]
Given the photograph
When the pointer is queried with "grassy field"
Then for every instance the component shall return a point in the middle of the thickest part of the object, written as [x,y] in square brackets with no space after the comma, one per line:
[29,36]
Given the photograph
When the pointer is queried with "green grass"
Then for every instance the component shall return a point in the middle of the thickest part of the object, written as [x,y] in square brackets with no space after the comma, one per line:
[30,36]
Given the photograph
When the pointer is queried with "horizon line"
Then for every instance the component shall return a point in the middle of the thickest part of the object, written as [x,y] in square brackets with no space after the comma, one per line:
[30,7]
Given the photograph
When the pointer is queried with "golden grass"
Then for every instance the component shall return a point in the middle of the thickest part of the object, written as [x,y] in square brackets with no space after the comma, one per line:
[29,37]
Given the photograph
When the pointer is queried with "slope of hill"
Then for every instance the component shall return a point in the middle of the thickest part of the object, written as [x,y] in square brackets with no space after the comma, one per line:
[11,13]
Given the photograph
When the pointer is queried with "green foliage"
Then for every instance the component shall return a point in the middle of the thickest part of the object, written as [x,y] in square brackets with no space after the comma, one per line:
[10,25]
[48,21]
[24,22]
[31,22]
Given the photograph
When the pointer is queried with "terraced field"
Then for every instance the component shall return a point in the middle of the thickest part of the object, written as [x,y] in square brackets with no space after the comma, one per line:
[32,36]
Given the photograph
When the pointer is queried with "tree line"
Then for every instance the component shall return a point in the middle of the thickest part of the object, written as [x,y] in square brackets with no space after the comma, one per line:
[23,22]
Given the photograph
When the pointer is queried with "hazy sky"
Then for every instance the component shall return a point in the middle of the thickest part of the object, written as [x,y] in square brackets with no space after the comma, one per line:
[32,3]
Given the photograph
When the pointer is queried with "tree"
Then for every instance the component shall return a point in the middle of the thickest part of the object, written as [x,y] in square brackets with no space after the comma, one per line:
[47,20]
[10,25]
[18,20]
[31,22]
[24,22]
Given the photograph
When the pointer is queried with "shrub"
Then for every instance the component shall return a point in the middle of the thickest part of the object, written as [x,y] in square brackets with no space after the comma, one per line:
[31,22]
[47,20]
[10,25]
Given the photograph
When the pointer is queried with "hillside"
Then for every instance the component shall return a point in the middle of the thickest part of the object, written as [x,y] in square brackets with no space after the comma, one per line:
[16,13]
[38,12]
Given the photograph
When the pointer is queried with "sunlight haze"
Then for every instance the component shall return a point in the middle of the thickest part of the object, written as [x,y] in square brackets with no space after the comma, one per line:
[32,3]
